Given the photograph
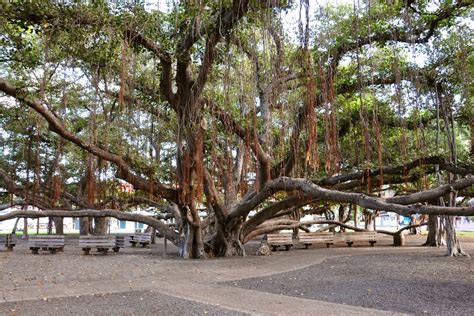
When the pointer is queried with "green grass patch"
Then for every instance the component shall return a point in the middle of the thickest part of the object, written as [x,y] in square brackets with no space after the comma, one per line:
[465,233]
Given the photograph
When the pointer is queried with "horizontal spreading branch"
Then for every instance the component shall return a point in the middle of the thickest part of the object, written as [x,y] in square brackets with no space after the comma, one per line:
[157,224]
[56,125]
[421,34]
[272,210]
[398,232]
[403,205]
[27,195]
[397,170]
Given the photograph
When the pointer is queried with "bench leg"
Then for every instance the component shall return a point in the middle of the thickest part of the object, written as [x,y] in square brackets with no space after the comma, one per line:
[306,246]
[274,248]
[34,250]
[328,245]
[287,247]
[372,243]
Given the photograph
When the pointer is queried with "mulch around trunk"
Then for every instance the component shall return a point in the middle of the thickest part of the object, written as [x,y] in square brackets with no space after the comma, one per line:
[415,283]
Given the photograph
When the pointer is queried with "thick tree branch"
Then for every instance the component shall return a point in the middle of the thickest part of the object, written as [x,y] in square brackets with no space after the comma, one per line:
[28,196]
[222,21]
[212,198]
[166,85]
[270,211]
[229,123]
[57,126]
[10,184]
[421,34]
[397,170]
[402,205]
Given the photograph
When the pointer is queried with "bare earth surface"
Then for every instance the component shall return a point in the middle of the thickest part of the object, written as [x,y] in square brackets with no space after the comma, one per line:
[144,302]
[416,283]
[338,281]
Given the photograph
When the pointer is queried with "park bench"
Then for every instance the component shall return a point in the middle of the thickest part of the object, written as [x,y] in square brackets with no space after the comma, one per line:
[276,240]
[101,243]
[119,243]
[8,240]
[371,237]
[143,239]
[308,239]
[53,243]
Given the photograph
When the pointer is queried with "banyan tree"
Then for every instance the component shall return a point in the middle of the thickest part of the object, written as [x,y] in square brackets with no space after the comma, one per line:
[279,108]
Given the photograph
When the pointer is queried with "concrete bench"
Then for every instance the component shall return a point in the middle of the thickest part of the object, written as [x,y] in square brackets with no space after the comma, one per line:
[119,242]
[53,243]
[339,237]
[308,239]
[370,237]
[276,240]
[9,241]
[101,243]
[143,239]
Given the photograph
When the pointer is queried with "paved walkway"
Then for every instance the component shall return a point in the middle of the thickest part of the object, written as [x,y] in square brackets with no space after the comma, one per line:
[44,277]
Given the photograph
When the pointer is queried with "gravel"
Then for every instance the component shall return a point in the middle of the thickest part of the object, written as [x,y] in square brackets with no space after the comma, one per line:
[124,303]
[416,283]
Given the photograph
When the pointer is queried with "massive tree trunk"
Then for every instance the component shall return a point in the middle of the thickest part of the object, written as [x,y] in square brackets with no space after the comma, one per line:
[190,179]
[445,100]
[84,226]
[344,215]
[369,219]
[226,241]
[100,225]
[432,239]
[454,248]
[192,245]
[59,225]
[25,227]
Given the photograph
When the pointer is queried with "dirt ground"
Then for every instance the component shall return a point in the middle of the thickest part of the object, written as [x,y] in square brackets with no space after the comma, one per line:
[360,280]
